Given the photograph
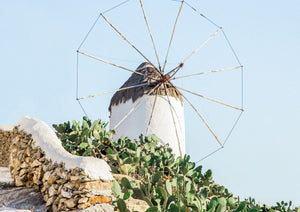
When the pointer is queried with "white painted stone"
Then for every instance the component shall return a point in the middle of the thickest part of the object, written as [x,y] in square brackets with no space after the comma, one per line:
[45,138]
[161,123]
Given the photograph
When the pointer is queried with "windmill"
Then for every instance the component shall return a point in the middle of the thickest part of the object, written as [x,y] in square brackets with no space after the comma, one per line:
[150,102]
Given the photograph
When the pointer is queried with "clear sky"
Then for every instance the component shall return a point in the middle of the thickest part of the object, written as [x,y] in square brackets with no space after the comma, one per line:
[39,40]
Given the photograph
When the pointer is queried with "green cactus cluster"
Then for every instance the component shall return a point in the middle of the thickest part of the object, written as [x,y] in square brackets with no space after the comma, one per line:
[87,138]
[164,182]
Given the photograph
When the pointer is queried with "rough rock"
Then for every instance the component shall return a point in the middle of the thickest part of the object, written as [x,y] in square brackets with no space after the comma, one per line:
[5,142]
[21,198]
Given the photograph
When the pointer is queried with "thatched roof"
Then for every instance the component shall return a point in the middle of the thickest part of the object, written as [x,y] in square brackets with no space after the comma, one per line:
[150,74]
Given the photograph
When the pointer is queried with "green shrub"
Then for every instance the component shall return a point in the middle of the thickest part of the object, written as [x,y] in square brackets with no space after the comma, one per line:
[167,184]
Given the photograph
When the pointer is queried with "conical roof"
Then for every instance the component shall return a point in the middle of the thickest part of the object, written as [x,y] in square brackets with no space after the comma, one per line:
[151,76]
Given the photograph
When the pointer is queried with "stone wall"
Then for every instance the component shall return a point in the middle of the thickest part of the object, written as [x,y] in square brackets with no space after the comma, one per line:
[5,141]
[35,160]
[62,189]
[67,182]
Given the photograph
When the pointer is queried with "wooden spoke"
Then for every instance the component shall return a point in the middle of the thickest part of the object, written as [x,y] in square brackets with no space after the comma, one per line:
[196,50]
[210,99]
[107,62]
[126,39]
[150,119]
[203,120]
[178,141]
[174,70]
[208,72]
[173,32]
[112,91]
[134,107]
[150,33]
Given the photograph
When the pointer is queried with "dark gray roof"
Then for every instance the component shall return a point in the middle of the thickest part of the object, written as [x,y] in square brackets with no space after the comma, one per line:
[150,74]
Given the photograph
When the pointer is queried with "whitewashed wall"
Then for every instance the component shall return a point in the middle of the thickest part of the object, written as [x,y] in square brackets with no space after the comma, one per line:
[45,138]
[161,125]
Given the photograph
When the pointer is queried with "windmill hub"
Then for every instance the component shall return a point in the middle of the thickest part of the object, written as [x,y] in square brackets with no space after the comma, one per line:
[165,78]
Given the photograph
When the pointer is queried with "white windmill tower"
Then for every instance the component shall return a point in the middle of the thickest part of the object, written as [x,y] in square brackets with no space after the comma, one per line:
[159,110]
[149,102]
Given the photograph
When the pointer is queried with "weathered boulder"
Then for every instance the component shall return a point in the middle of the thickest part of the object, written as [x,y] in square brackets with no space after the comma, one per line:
[20,198]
